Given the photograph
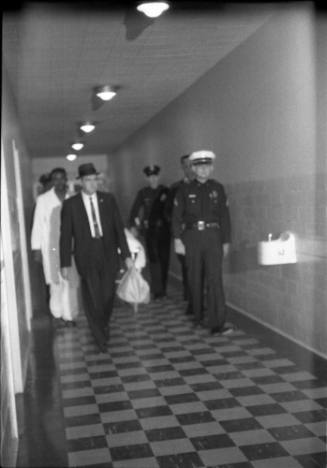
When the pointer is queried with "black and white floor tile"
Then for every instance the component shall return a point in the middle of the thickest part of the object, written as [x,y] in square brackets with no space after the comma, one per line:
[168,395]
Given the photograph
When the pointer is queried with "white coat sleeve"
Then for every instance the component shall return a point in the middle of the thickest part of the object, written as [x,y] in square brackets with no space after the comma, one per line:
[37,229]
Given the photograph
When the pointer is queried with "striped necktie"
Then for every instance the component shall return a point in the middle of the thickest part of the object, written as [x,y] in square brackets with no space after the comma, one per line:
[94,220]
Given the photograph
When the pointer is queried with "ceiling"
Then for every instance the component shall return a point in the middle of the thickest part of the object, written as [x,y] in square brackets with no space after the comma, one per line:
[54,55]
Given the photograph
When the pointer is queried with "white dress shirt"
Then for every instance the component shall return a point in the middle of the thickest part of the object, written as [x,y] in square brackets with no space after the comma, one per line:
[87,204]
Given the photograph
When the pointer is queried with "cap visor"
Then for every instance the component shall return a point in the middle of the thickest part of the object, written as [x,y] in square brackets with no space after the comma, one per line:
[201,162]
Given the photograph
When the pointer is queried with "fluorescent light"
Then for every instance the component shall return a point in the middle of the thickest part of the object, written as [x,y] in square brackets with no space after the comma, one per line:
[153,9]
[87,127]
[71,157]
[106,93]
[78,145]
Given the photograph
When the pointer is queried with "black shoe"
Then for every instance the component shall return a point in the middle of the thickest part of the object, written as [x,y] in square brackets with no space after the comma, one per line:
[58,323]
[102,347]
[225,330]
[69,323]
[158,297]
[188,310]
[198,323]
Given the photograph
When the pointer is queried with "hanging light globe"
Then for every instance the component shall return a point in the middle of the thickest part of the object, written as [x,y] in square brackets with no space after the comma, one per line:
[87,127]
[153,9]
[106,93]
[71,157]
[78,145]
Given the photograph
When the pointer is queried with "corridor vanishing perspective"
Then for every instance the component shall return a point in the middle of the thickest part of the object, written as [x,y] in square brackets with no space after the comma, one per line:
[209,118]
[169,395]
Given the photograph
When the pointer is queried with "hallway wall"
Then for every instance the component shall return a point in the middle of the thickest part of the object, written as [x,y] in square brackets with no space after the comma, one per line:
[257,110]
[12,140]
[16,206]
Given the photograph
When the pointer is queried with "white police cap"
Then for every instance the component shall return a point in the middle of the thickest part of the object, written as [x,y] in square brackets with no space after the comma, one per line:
[202,157]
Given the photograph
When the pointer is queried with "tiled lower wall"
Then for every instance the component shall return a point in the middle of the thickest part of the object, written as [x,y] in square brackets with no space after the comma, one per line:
[293,297]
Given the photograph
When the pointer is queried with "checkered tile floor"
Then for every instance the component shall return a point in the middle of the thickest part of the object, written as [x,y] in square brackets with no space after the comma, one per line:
[167,395]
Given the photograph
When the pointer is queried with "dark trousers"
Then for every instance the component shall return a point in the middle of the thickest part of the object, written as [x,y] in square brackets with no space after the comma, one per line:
[182,261]
[98,291]
[204,266]
[157,243]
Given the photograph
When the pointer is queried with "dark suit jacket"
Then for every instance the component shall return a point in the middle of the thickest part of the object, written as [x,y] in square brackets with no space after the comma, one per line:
[75,233]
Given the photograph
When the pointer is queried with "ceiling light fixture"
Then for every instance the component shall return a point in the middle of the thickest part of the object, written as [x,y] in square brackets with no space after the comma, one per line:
[87,127]
[106,93]
[152,9]
[71,157]
[77,145]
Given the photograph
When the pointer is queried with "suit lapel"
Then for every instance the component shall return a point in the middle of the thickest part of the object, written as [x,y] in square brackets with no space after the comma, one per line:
[102,213]
[82,210]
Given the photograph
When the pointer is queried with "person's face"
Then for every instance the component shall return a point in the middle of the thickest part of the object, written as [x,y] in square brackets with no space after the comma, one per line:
[153,180]
[59,181]
[202,171]
[187,169]
[89,184]
[48,185]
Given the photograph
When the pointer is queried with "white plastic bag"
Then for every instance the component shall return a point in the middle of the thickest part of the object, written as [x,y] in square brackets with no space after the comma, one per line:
[136,249]
[133,288]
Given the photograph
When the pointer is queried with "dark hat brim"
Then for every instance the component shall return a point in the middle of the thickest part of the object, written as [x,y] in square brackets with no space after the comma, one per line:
[198,162]
[85,175]
[150,172]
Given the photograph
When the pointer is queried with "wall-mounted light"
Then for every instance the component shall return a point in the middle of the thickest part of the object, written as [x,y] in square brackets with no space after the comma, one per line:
[77,145]
[106,92]
[71,157]
[153,9]
[87,127]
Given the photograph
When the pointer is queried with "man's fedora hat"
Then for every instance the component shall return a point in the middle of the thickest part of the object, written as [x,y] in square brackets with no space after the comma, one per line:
[86,169]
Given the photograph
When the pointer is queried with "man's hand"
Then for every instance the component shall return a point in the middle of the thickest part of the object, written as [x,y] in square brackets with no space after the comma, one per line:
[134,231]
[65,273]
[129,262]
[226,249]
[179,247]
[37,256]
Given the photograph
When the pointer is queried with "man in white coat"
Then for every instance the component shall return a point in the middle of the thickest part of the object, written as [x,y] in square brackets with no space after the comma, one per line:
[63,302]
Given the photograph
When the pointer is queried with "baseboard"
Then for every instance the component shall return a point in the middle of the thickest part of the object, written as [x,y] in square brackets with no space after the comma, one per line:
[175,276]
[265,324]
[276,330]
[9,450]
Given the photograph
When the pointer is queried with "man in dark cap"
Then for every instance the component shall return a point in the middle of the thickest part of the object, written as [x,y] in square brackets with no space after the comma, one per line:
[188,175]
[92,223]
[201,229]
[46,182]
[147,217]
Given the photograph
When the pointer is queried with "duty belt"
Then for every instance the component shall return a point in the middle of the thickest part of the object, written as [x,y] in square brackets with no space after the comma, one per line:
[201,225]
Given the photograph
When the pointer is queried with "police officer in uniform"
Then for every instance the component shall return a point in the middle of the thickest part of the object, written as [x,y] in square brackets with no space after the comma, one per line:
[188,175]
[201,230]
[148,218]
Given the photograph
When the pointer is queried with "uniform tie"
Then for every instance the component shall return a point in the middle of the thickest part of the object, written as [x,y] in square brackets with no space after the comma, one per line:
[94,220]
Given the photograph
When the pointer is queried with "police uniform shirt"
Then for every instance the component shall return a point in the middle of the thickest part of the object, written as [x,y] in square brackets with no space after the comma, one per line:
[198,201]
[171,196]
[151,202]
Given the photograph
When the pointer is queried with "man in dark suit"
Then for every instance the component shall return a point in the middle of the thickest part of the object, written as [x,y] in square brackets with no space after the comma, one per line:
[147,217]
[188,176]
[92,228]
